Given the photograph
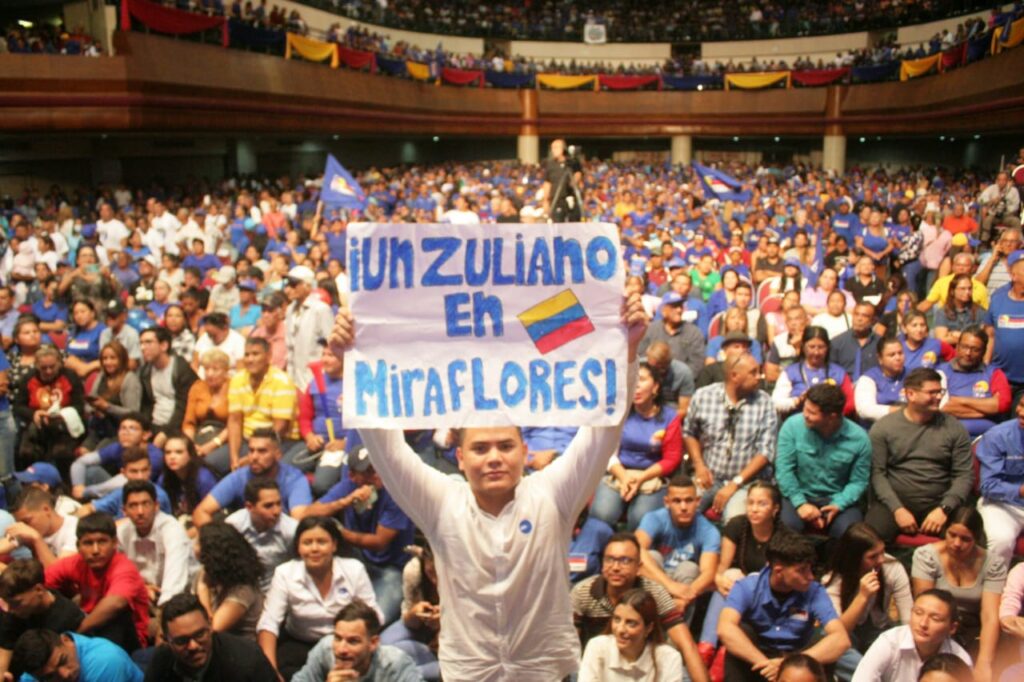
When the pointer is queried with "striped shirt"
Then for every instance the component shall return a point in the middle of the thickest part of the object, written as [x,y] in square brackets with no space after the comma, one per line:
[275,398]
[592,609]
[731,436]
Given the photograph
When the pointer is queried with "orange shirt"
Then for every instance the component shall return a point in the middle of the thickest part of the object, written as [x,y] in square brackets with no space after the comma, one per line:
[964,224]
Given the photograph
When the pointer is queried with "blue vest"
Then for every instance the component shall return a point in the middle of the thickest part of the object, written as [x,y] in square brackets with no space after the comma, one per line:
[890,391]
[803,377]
[928,355]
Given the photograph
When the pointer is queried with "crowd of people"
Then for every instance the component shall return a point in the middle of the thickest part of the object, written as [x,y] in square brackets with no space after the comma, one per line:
[48,39]
[183,496]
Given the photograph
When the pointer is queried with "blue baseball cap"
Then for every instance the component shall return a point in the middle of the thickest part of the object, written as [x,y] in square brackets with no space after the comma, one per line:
[1014,257]
[676,262]
[672,298]
[40,472]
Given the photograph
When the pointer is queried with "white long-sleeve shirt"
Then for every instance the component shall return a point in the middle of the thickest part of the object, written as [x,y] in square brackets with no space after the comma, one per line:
[503,580]
[894,658]
[162,556]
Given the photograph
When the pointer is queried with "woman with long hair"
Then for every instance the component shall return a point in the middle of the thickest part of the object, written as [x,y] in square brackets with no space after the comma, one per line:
[722,299]
[115,393]
[919,348]
[974,576]
[306,593]
[27,339]
[734,320]
[650,451]
[633,646]
[416,631]
[812,367]
[185,479]
[959,312]
[84,339]
[744,540]
[228,582]
[861,582]
[183,340]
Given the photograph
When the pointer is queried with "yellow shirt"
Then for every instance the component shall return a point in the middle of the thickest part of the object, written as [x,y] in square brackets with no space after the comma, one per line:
[274,399]
[940,291]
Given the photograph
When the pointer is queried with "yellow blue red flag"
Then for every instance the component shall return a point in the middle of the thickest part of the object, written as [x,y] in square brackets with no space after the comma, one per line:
[340,189]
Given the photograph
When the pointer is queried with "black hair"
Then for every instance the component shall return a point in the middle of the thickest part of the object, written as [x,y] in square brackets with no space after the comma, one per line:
[357,609]
[949,664]
[32,497]
[828,397]
[227,557]
[324,523]
[916,378]
[858,540]
[977,331]
[656,376]
[790,549]
[885,342]
[163,335]
[20,576]
[178,605]
[136,417]
[218,320]
[132,487]
[680,479]
[135,454]
[969,517]
[946,597]
[33,650]
[814,332]
[257,485]
[623,536]
[97,522]
[259,342]
[802,661]
[184,491]
[747,531]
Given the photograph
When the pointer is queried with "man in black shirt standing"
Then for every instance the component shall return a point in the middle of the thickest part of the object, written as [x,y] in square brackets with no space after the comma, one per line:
[30,605]
[562,178]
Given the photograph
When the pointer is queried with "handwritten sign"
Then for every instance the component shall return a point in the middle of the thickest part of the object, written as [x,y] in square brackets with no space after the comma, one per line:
[485,325]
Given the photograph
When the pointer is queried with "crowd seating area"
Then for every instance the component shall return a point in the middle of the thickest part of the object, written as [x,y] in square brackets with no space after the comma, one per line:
[46,39]
[126,282]
[357,49]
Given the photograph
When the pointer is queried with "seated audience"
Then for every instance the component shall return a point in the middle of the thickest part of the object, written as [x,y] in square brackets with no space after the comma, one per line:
[185,478]
[46,655]
[959,313]
[154,541]
[1001,459]
[417,631]
[46,533]
[855,350]
[228,581]
[206,414]
[879,391]
[812,367]
[51,404]
[977,393]
[262,523]
[137,467]
[166,379]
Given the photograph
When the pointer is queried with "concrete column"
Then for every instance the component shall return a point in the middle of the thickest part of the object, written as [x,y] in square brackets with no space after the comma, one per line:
[833,156]
[682,149]
[528,141]
[245,157]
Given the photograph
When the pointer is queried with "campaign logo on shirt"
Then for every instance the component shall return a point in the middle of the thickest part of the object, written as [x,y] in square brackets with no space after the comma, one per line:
[1011,322]
[799,614]
[980,389]
[928,358]
[525,527]
[657,437]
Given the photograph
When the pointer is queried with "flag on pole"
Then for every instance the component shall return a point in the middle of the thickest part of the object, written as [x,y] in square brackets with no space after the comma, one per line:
[340,189]
[719,185]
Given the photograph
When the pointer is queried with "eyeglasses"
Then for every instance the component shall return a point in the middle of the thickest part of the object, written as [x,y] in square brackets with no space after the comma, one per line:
[198,636]
[619,560]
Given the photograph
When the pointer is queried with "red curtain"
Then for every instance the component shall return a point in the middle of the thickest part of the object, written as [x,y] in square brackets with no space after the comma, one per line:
[462,76]
[954,56]
[818,77]
[166,20]
[357,59]
[627,82]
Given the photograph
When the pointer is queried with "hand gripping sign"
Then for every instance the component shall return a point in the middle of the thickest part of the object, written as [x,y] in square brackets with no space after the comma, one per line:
[478,325]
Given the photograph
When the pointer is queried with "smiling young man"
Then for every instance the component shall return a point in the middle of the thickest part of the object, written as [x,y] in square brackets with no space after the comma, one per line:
[500,541]
[354,652]
[193,651]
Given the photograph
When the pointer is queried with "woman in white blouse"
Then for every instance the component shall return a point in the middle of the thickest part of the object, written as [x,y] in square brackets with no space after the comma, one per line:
[306,594]
[633,648]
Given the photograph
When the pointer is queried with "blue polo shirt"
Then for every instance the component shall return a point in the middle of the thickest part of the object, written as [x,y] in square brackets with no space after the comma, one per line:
[113,504]
[85,343]
[782,622]
[677,544]
[982,383]
[111,457]
[295,492]
[1001,455]
[1006,316]
[100,660]
[929,354]
[889,390]
[51,313]
[385,512]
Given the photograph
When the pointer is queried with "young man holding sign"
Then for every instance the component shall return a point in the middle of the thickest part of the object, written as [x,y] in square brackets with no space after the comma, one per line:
[501,542]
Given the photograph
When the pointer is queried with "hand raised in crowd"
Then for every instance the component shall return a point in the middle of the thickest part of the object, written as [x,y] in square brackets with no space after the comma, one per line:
[344,332]
[635,318]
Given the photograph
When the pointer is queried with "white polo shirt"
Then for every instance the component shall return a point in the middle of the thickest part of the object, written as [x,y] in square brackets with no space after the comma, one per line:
[503,580]
[893,657]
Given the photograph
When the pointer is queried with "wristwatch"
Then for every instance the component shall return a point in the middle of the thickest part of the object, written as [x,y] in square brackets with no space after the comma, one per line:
[738,480]
[946,509]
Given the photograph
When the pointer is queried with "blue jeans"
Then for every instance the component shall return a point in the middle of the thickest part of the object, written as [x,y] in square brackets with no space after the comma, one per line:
[324,477]
[608,506]
[401,637]
[912,273]
[387,586]
[840,523]
[709,631]
[736,506]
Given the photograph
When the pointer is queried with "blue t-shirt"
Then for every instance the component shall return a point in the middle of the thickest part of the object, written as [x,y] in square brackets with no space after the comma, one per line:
[642,438]
[1007,318]
[783,622]
[678,544]
[111,458]
[295,492]
[51,313]
[889,390]
[929,354]
[205,481]
[385,512]
[112,504]
[85,343]
[100,660]
[249,319]
[203,263]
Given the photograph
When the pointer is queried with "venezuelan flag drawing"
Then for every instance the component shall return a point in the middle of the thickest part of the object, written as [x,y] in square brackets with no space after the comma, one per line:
[556,321]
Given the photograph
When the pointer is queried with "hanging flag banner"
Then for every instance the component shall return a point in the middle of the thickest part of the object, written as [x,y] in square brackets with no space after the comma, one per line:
[464,325]
[719,185]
